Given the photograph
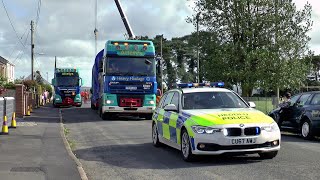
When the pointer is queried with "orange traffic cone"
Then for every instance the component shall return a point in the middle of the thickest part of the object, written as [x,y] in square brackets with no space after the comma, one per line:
[13,121]
[28,111]
[5,130]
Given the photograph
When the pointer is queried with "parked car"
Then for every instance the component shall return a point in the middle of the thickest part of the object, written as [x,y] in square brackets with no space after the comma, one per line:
[301,114]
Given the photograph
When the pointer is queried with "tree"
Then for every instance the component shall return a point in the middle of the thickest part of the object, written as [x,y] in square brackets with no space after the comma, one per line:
[261,43]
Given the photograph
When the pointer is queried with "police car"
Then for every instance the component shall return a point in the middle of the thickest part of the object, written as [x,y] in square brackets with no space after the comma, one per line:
[206,119]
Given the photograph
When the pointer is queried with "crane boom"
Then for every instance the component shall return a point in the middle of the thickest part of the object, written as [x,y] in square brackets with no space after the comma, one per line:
[125,20]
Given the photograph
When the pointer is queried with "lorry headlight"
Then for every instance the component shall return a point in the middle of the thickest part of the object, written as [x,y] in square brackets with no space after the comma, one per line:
[271,128]
[151,102]
[205,130]
[109,101]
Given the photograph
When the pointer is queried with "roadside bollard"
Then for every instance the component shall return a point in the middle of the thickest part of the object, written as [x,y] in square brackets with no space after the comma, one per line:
[28,111]
[13,121]
[5,130]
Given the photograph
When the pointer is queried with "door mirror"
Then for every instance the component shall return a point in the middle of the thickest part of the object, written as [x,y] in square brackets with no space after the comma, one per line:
[53,82]
[252,104]
[80,82]
[100,65]
[171,107]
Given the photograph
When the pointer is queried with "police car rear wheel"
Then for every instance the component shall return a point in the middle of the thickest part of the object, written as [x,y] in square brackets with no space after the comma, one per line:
[268,155]
[155,138]
[185,147]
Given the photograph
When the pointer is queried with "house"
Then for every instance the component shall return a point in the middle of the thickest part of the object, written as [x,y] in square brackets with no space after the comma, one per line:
[35,74]
[7,69]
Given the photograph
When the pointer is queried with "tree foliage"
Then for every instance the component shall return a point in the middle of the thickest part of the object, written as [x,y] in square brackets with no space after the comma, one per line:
[254,43]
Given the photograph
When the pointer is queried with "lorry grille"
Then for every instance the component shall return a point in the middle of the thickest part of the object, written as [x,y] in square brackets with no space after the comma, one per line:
[68,93]
[130,100]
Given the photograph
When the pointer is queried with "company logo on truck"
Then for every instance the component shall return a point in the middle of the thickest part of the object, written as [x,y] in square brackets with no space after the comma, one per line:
[122,78]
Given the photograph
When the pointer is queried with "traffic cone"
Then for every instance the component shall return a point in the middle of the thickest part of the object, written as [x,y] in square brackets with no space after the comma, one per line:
[28,111]
[13,122]
[5,130]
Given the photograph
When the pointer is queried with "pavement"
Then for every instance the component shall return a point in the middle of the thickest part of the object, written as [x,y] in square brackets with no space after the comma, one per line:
[122,149]
[35,150]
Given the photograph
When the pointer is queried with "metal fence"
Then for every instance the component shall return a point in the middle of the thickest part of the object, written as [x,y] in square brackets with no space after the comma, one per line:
[7,107]
[264,104]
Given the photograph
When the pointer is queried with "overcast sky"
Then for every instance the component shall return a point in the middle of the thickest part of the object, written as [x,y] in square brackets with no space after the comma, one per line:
[65,29]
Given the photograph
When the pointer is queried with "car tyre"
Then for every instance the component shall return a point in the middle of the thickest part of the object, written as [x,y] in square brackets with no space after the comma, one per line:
[155,136]
[186,151]
[268,155]
[306,130]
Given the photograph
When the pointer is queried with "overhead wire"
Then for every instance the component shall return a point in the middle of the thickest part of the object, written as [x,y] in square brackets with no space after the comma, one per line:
[14,29]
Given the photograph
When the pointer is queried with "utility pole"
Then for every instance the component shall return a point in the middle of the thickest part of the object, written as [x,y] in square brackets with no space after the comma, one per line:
[95,28]
[55,63]
[32,49]
[198,61]
[161,64]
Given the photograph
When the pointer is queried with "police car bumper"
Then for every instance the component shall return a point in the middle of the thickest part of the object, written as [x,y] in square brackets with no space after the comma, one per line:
[131,110]
[218,143]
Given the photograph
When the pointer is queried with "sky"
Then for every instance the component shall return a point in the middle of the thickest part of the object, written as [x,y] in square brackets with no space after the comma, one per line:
[65,29]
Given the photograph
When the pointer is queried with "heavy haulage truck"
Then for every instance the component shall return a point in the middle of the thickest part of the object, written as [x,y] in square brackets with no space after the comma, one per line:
[67,85]
[124,77]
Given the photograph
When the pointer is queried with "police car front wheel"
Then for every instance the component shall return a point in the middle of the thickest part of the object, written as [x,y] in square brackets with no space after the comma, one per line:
[186,147]
[155,138]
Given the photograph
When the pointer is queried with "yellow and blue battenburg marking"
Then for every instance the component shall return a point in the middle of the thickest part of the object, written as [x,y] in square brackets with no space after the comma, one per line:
[169,124]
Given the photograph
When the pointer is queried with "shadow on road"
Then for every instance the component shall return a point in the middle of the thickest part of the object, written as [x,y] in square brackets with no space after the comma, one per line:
[80,115]
[145,156]
[296,138]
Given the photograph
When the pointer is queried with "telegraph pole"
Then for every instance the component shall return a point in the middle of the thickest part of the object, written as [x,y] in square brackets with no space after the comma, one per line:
[161,64]
[198,63]
[95,28]
[32,49]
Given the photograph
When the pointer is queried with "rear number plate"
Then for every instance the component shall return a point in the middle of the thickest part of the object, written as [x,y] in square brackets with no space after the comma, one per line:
[243,141]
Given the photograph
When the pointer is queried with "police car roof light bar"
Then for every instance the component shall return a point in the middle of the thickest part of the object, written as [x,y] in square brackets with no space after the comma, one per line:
[212,84]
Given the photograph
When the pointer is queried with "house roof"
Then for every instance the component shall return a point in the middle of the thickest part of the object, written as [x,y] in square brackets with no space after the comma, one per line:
[29,78]
[5,61]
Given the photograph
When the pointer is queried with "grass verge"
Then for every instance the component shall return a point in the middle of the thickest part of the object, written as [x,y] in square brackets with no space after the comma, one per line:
[72,143]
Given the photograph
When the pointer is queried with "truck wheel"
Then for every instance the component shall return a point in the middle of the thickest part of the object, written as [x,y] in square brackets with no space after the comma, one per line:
[105,116]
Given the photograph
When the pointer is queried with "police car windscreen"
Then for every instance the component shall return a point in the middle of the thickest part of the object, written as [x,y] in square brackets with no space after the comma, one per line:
[212,100]
[67,79]
[131,66]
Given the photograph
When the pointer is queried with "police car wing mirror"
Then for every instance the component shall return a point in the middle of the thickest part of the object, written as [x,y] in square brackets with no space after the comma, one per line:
[171,107]
[252,104]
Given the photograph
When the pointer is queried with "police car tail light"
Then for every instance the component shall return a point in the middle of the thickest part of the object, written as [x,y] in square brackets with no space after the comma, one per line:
[205,130]
[271,128]
[151,102]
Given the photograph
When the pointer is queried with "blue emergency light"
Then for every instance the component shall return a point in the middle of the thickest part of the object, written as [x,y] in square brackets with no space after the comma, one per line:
[211,84]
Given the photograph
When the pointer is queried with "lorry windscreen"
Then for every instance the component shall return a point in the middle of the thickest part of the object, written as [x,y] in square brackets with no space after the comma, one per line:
[131,66]
[67,79]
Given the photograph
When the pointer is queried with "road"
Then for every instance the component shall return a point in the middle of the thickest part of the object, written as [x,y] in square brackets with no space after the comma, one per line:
[122,149]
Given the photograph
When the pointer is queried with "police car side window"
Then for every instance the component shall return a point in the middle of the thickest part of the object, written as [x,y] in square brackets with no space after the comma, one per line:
[175,99]
[162,100]
[167,100]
